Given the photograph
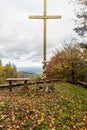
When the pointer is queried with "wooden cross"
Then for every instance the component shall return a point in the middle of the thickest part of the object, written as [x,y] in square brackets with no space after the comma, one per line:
[44,17]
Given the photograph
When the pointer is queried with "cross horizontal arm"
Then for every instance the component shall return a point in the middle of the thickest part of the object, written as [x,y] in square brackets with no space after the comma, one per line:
[53,17]
[35,17]
[44,17]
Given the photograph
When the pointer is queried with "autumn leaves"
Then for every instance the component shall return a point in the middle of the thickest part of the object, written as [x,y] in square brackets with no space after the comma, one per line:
[64,110]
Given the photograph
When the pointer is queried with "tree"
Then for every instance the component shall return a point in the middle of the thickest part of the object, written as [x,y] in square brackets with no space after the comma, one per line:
[10,71]
[77,60]
[81,14]
[0,63]
[69,64]
[1,72]
[83,45]
[81,21]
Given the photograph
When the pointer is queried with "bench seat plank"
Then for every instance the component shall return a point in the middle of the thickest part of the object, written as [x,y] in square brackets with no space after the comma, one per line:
[18,79]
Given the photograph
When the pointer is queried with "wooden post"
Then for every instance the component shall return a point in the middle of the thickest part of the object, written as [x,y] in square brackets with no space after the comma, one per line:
[25,84]
[10,85]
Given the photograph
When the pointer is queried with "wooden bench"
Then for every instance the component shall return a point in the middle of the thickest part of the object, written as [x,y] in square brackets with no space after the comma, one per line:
[25,80]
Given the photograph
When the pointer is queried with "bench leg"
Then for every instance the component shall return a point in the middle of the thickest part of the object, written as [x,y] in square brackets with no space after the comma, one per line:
[25,84]
[10,86]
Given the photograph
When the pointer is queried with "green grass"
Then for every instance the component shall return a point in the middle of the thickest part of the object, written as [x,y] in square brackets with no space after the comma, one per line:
[66,109]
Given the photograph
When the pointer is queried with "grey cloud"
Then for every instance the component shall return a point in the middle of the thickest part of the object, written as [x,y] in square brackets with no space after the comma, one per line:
[22,38]
[22,48]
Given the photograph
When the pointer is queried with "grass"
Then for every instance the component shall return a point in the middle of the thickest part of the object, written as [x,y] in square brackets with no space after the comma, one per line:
[66,109]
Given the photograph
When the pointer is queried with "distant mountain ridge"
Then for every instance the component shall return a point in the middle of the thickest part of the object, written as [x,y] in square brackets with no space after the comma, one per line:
[30,70]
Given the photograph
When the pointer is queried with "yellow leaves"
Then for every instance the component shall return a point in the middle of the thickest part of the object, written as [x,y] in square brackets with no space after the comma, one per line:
[52,121]
[85,118]
[13,118]
[41,119]
[1,103]
[3,117]
[43,76]
[1,126]
[53,129]
[43,62]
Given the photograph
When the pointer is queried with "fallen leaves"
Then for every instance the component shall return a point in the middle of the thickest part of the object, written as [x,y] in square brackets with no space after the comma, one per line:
[57,111]
[52,122]
[13,117]
[3,117]
[41,119]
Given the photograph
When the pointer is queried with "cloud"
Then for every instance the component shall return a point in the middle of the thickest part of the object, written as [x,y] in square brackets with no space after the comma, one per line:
[22,38]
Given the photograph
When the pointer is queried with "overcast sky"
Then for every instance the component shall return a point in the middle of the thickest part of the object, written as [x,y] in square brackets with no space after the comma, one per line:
[21,39]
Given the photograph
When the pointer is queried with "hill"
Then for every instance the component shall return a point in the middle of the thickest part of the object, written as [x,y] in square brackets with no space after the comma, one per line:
[30,70]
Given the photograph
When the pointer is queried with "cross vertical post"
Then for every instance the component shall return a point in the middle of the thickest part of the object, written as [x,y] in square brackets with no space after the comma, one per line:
[44,17]
[44,45]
